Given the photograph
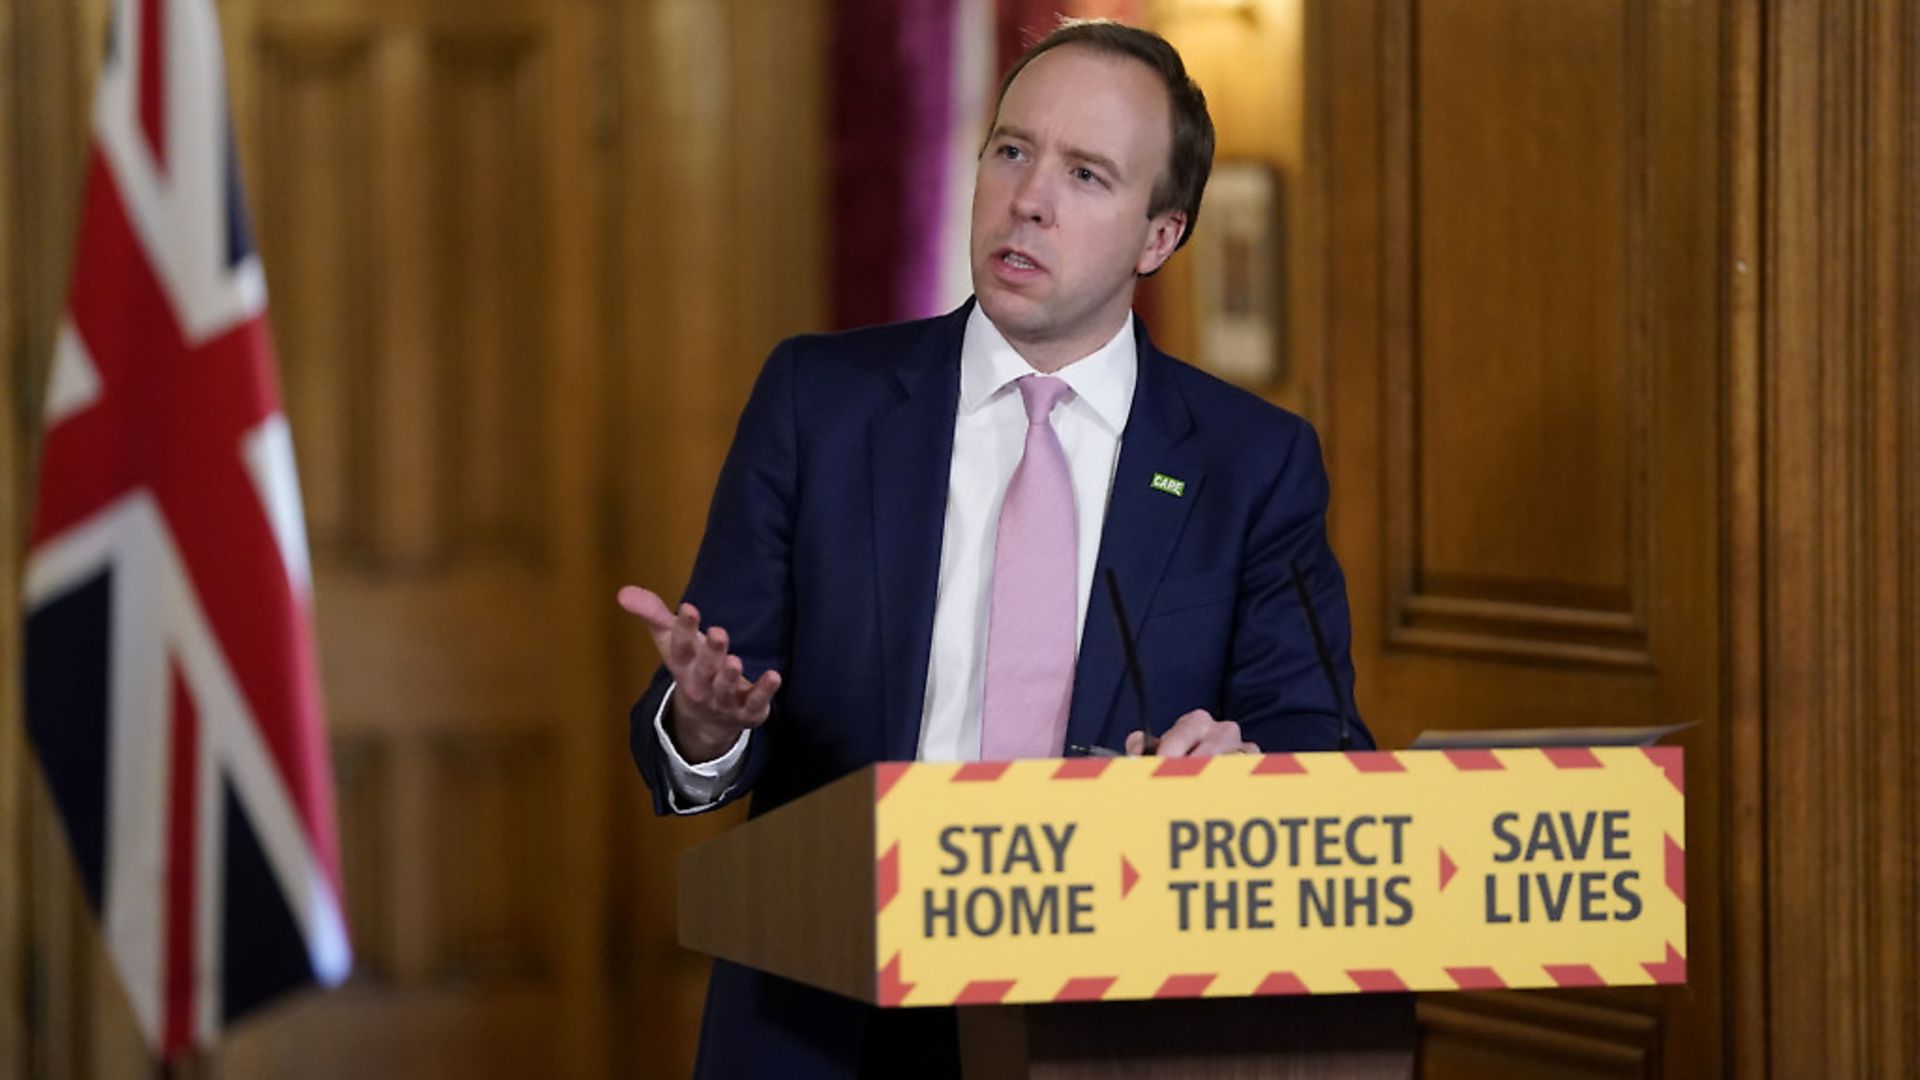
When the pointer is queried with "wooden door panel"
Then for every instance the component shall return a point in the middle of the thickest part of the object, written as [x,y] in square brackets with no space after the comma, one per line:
[1523,325]
[425,180]
[1516,435]
[1515,524]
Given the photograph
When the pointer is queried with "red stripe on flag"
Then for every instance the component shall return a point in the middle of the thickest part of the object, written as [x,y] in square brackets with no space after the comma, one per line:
[980,771]
[136,436]
[1280,982]
[1181,766]
[1676,869]
[1571,757]
[1086,988]
[1476,978]
[885,775]
[1377,980]
[1376,761]
[1082,768]
[1669,971]
[1672,761]
[182,832]
[1278,765]
[1474,760]
[984,992]
[886,878]
[1574,975]
[153,79]
[1184,986]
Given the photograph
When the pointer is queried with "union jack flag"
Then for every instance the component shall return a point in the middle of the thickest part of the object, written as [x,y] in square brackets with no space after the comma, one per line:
[171,689]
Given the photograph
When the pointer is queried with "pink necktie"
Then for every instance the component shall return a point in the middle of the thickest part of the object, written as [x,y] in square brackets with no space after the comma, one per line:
[1030,623]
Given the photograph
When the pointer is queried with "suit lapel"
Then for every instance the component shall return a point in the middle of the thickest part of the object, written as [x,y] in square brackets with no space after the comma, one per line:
[912,452]
[1137,538]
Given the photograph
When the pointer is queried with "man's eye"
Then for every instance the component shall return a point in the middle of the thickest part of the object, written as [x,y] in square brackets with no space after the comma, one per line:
[1086,175]
[1009,152]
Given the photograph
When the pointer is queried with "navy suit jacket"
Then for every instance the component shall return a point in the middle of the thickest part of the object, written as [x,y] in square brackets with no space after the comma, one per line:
[822,557]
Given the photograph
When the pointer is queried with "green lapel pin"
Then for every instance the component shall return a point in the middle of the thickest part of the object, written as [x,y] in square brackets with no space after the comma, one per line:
[1163,482]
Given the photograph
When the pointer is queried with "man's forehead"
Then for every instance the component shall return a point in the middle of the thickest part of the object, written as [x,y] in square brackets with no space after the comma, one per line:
[1063,80]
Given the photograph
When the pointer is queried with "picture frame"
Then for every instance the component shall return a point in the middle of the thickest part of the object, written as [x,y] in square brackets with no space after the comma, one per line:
[1238,284]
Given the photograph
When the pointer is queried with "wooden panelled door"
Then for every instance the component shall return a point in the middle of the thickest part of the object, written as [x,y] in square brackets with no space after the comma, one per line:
[1523,213]
[423,178]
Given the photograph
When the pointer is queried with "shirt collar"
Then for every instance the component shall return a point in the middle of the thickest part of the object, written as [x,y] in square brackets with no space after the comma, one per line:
[1104,378]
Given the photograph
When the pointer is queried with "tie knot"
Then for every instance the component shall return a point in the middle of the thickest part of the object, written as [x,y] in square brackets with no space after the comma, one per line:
[1040,393]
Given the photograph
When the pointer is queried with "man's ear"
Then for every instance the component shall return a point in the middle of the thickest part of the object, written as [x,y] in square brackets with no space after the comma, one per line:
[1163,235]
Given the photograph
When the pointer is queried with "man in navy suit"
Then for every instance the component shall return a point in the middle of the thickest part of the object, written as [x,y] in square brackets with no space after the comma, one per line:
[900,558]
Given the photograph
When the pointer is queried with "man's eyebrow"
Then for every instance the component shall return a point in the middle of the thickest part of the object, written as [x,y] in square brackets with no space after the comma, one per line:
[1091,158]
[1008,131]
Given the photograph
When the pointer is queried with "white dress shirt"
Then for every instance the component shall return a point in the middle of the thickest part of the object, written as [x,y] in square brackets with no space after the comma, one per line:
[989,433]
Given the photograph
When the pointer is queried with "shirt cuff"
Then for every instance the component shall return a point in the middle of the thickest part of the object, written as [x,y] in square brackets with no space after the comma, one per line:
[693,788]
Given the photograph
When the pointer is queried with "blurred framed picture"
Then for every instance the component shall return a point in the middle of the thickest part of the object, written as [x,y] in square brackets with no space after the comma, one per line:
[1237,275]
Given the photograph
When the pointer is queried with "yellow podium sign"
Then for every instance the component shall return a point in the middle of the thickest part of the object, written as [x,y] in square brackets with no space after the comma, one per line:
[1117,878]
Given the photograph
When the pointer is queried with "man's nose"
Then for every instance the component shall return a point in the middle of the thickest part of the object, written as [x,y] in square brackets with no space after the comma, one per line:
[1033,200]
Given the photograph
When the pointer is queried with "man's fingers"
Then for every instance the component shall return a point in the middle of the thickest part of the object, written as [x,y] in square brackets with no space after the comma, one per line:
[1221,738]
[743,704]
[682,642]
[729,685]
[1185,734]
[675,633]
[707,660]
[711,679]
[759,699]
[646,604]
[1198,734]
[1136,742]
[1176,743]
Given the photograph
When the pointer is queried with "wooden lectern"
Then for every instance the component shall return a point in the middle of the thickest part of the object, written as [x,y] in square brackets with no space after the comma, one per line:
[822,933]
[1251,915]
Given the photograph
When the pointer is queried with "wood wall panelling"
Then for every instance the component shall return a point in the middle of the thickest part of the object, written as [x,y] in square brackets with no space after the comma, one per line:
[317,102]
[1840,536]
[428,233]
[1459,412]
[80,1024]
[1517,429]
[1745,925]
[432,182]
[1522,324]
[724,257]
[490,491]
[363,785]
[16,1025]
[1892,575]
[1530,1035]
[493,865]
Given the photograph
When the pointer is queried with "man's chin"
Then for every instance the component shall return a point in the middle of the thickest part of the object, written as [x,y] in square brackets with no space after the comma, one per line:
[1013,315]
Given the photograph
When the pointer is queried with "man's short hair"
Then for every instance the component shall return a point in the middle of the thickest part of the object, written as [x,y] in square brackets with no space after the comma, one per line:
[1190,158]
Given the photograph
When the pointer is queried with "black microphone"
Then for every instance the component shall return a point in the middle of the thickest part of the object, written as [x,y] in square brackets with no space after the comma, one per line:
[1135,675]
[1320,649]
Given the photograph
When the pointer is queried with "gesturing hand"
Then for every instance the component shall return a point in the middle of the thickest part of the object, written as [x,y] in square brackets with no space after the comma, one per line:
[712,700]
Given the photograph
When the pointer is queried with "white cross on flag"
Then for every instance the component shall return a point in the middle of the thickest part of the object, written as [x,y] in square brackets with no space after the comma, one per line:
[171,690]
